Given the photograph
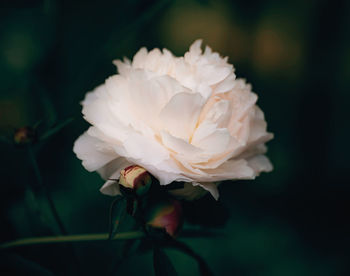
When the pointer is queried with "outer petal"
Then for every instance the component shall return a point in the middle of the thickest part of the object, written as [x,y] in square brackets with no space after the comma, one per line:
[166,175]
[258,128]
[99,114]
[94,153]
[211,74]
[140,58]
[231,169]
[111,172]
[123,68]
[111,188]
[260,163]
[226,85]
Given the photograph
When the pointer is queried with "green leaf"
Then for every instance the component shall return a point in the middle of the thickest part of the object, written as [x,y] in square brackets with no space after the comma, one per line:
[55,129]
[117,214]
[162,264]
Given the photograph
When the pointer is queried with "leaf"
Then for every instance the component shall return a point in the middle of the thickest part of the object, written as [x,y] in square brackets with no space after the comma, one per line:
[55,129]
[162,264]
[117,214]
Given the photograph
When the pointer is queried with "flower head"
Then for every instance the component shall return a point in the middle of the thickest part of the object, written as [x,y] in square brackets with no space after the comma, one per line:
[186,119]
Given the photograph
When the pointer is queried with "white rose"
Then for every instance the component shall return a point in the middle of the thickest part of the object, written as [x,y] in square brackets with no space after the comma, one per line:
[181,118]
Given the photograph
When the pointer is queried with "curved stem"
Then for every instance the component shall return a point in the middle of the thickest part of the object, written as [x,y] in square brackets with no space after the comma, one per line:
[71,238]
[46,191]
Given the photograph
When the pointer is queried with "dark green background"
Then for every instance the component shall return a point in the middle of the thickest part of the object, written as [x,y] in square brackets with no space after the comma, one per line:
[292,221]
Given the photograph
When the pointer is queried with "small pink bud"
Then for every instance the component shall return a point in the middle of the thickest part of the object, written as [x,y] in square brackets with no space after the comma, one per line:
[24,135]
[135,178]
[167,215]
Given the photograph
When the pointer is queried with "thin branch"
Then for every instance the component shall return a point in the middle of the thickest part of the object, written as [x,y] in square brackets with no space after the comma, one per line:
[71,238]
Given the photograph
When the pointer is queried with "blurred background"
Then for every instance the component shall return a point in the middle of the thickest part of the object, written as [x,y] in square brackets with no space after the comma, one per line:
[292,221]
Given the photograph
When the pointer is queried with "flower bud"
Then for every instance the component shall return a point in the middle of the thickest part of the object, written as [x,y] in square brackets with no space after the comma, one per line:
[24,135]
[166,215]
[135,178]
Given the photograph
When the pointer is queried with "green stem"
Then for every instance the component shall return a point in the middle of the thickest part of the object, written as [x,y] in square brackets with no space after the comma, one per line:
[46,191]
[71,238]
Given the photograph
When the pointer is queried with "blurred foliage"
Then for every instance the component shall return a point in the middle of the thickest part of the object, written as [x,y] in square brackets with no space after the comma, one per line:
[296,53]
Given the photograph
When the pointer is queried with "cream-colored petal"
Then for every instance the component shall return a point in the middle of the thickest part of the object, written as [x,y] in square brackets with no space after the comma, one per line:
[179,146]
[212,74]
[258,127]
[145,150]
[167,173]
[123,68]
[149,96]
[99,114]
[260,163]
[205,129]
[113,168]
[217,111]
[111,188]
[194,52]
[179,117]
[90,97]
[231,169]
[226,85]
[215,143]
[93,152]
[140,58]
[111,172]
